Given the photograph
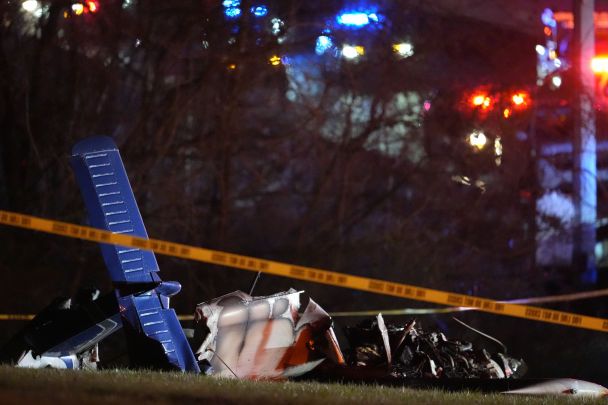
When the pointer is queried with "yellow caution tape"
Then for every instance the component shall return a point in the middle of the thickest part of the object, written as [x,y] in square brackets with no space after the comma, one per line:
[304,273]
[427,311]
[16,317]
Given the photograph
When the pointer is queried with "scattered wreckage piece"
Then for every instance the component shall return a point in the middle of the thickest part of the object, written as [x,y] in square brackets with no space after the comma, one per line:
[263,337]
[562,386]
[420,354]
[65,334]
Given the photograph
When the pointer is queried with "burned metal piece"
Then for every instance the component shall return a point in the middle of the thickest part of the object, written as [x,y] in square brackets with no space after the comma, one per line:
[263,337]
[420,354]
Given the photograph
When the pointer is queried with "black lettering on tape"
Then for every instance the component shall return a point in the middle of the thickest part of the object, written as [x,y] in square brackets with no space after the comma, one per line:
[533,313]
[216,257]
[297,271]
[104,236]
[455,300]
[172,249]
[12,219]
[184,251]
[499,307]
[26,221]
[140,243]
[420,293]
[263,265]
[342,280]
[60,227]
[4,217]
[577,320]
[376,285]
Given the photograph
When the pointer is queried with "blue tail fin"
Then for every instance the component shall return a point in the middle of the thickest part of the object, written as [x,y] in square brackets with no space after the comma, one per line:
[142,297]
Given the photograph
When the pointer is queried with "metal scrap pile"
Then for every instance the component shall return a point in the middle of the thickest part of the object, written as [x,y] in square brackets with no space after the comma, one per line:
[408,351]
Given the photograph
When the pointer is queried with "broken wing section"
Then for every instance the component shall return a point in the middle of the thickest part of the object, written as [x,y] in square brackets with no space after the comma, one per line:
[263,337]
[156,338]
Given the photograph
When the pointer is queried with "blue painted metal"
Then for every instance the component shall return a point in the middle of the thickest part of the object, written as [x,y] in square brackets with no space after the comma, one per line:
[111,205]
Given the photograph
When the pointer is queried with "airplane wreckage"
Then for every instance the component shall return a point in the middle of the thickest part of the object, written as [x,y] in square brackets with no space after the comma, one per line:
[239,335]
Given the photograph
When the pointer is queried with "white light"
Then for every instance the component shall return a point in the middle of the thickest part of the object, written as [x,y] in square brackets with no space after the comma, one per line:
[277,24]
[556,81]
[352,51]
[478,139]
[31,6]
[540,49]
[404,49]
[354,19]
[557,62]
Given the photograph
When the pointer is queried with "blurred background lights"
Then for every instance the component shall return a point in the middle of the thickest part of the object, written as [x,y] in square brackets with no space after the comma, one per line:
[259,11]
[478,139]
[556,81]
[232,8]
[547,18]
[323,44]
[353,19]
[352,51]
[276,25]
[31,6]
[498,151]
[275,60]
[403,49]
[481,100]
[599,64]
[77,8]
[520,99]
[540,49]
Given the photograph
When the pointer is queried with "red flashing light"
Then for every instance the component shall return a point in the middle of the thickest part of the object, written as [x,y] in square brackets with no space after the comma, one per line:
[481,100]
[93,7]
[520,99]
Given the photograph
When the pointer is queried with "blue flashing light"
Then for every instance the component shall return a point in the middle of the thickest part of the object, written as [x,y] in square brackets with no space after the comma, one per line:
[231,3]
[232,12]
[323,44]
[547,18]
[353,19]
[259,11]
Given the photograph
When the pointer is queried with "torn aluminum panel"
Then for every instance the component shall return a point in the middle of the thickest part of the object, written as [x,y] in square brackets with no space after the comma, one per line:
[563,386]
[263,337]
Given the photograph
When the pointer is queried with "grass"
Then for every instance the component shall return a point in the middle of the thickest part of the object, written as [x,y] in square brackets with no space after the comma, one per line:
[24,386]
